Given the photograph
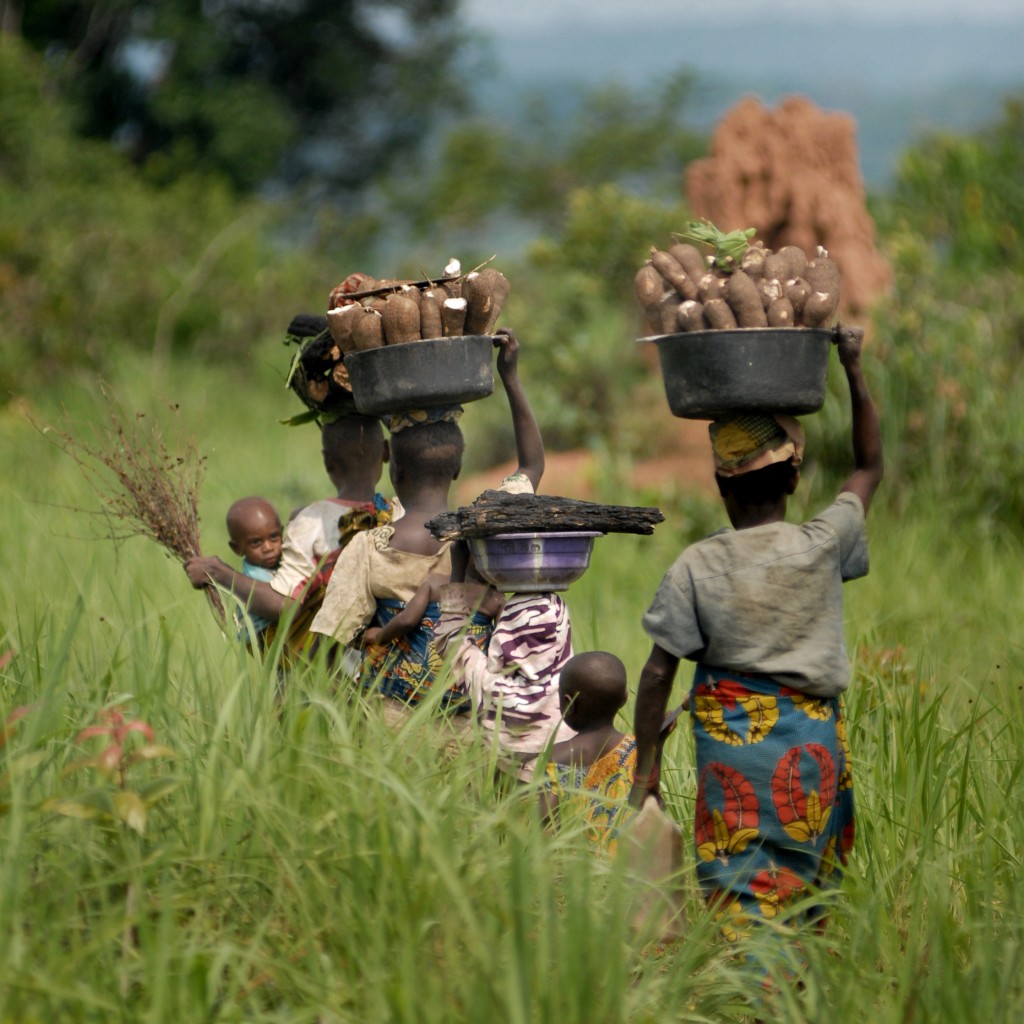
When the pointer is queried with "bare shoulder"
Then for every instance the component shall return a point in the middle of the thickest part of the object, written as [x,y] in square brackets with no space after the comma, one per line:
[565,752]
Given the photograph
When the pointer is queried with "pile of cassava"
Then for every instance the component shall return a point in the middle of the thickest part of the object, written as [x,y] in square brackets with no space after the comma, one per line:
[738,285]
[366,313]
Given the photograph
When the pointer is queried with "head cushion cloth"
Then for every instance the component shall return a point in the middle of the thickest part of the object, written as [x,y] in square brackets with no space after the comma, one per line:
[741,444]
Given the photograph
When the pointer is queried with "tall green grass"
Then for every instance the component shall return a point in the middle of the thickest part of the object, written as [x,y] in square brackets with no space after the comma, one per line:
[312,864]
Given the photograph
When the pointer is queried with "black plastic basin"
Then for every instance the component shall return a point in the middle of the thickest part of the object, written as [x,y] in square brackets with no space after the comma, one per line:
[775,369]
[422,374]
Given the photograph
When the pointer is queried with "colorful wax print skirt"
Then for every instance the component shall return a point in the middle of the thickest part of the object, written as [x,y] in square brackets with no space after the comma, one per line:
[774,814]
[406,668]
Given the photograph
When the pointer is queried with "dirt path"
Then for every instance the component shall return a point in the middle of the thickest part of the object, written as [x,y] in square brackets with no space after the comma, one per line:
[573,473]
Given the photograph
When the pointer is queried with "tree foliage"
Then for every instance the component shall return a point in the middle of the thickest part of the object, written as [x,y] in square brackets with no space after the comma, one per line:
[570,200]
[95,259]
[97,256]
[326,89]
[952,335]
[188,269]
[491,171]
[965,194]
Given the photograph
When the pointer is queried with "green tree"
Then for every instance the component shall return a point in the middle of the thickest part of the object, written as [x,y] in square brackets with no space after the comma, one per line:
[331,90]
[95,259]
[965,195]
[951,334]
[490,172]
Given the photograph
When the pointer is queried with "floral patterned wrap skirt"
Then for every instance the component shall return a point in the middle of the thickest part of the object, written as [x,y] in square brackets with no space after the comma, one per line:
[407,668]
[774,812]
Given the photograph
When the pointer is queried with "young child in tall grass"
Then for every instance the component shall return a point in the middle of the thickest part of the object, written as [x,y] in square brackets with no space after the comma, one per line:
[760,610]
[596,765]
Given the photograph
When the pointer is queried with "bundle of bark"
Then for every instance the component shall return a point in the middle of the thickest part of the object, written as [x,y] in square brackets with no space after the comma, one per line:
[495,512]
[682,289]
[366,313]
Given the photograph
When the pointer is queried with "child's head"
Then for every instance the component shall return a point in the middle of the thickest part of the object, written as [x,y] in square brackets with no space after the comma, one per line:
[426,455]
[592,689]
[254,532]
[354,450]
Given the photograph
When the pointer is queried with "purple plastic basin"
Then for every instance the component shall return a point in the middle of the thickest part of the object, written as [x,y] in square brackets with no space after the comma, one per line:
[526,563]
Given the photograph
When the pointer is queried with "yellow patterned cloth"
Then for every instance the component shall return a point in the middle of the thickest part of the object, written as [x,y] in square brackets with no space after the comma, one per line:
[741,444]
[600,790]
[774,810]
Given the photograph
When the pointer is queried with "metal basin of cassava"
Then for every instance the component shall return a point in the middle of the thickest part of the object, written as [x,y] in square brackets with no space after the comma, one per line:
[422,374]
[767,370]
[529,563]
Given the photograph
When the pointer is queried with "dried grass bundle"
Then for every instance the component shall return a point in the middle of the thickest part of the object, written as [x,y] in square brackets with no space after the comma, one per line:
[144,488]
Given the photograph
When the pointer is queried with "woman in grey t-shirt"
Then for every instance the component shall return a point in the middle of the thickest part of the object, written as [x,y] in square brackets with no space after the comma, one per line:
[759,609]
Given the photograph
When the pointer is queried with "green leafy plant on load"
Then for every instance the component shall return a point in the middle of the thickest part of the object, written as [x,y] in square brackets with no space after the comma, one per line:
[728,246]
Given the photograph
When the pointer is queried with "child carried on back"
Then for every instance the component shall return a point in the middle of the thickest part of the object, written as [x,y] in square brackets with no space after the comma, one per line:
[255,535]
[354,451]
[382,571]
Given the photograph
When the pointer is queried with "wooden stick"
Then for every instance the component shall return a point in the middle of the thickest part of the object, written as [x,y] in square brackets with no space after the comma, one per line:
[497,512]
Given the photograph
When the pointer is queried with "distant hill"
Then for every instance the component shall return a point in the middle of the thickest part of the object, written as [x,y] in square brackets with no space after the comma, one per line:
[897,80]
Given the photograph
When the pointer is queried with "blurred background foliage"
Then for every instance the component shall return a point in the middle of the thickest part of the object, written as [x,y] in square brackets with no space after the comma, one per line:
[951,335]
[168,190]
[332,90]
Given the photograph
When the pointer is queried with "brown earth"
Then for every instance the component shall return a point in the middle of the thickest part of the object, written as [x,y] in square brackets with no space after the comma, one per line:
[575,474]
[793,173]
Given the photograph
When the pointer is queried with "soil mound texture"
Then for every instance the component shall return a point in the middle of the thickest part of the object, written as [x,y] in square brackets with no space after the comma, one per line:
[793,173]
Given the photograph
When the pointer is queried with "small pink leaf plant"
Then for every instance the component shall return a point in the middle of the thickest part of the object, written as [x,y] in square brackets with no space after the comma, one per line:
[128,741]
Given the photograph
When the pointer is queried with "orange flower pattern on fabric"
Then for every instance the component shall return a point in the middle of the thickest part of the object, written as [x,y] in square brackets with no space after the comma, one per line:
[774,888]
[813,707]
[761,713]
[732,920]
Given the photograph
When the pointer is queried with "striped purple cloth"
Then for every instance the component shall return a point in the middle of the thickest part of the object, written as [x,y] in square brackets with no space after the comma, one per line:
[514,682]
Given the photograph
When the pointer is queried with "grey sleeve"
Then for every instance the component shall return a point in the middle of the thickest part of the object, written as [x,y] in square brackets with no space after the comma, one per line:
[671,621]
[846,517]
